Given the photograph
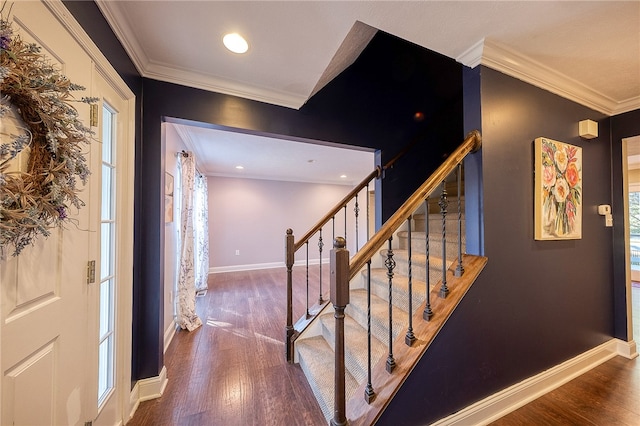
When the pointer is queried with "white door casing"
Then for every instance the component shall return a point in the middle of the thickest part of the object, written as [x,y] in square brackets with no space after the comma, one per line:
[47,309]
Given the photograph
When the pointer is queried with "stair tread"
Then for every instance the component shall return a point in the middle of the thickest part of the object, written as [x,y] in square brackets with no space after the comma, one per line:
[317,360]
[379,314]
[355,337]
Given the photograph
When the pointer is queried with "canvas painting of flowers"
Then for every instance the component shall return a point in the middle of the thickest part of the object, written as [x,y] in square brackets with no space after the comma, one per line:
[558,190]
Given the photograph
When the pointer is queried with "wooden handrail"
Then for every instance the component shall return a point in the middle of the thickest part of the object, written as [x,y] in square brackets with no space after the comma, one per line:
[377,173]
[472,143]
[374,174]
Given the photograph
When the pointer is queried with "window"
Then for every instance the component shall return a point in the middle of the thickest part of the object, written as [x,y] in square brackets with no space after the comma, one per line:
[106,348]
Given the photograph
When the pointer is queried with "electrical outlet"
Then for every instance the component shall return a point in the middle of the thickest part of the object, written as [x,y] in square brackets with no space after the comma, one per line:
[237,252]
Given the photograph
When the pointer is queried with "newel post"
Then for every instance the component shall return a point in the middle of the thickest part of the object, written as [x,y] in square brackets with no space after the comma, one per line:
[340,299]
[289,260]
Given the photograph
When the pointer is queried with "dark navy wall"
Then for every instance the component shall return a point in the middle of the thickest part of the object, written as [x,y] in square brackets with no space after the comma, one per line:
[537,303]
[372,104]
[622,126]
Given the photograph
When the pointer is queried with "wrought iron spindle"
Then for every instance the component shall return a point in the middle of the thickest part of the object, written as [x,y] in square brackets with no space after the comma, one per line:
[320,245]
[307,268]
[410,337]
[390,264]
[369,393]
[368,212]
[333,228]
[427,313]
[356,210]
[459,268]
[443,203]
[345,222]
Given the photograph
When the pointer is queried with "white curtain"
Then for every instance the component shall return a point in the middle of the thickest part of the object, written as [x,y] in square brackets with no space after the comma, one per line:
[186,309]
[201,232]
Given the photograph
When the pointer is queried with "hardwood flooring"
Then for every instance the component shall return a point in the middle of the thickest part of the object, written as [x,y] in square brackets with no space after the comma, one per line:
[607,395]
[232,370]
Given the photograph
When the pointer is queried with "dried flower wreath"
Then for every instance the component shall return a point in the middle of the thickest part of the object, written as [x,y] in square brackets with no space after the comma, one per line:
[35,201]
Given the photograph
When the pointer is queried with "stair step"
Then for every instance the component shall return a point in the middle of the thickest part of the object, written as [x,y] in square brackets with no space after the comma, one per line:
[355,351]
[316,359]
[418,262]
[357,309]
[400,286]
[435,218]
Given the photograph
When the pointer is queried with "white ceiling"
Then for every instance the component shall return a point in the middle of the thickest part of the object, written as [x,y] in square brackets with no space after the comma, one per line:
[218,152]
[586,51]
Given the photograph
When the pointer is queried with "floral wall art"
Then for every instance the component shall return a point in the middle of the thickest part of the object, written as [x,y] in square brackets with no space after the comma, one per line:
[558,190]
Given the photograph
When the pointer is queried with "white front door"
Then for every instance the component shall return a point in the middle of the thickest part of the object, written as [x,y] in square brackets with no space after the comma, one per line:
[49,313]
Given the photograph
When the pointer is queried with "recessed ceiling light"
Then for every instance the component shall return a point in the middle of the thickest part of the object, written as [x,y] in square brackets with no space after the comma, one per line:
[343,176]
[240,167]
[235,43]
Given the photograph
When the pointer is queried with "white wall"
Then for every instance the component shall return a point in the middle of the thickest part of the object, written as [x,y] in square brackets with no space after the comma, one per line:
[252,216]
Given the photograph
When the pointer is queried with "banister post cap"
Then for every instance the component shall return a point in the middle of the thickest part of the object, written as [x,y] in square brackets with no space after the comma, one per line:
[339,243]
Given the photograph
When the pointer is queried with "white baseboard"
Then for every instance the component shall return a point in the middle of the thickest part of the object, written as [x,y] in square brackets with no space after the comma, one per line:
[147,389]
[627,349]
[495,406]
[256,266]
[168,335]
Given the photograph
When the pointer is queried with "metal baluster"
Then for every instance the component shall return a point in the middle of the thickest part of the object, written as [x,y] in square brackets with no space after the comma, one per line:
[368,212]
[428,313]
[390,264]
[333,228]
[443,203]
[307,247]
[369,393]
[345,222]
[356,210]
[459,269]
[410,337]
[320,245]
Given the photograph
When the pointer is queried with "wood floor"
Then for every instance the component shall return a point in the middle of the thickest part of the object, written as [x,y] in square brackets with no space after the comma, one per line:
[232,371]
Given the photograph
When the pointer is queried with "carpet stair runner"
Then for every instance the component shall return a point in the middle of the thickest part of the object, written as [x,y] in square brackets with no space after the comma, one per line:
[315,353]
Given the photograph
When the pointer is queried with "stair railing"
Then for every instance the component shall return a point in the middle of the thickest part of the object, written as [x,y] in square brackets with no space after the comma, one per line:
[292,247]
[384,236]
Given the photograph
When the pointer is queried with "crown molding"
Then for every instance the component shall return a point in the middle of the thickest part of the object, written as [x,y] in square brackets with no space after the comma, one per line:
[188,78]
[157,71]
[120,26]
[500,58]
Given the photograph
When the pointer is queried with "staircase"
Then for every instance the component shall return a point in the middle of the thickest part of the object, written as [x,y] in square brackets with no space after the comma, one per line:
[314,350]
[357,353]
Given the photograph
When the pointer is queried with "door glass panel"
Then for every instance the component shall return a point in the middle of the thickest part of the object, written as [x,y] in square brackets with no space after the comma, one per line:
[108,278]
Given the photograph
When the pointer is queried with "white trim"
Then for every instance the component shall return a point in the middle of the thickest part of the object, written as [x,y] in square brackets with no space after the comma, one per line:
[517,65]
[169,333]
[499,404]
[163,72]
[147,389]
[628,350]
[184,77]
[256,266]
[59,10]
